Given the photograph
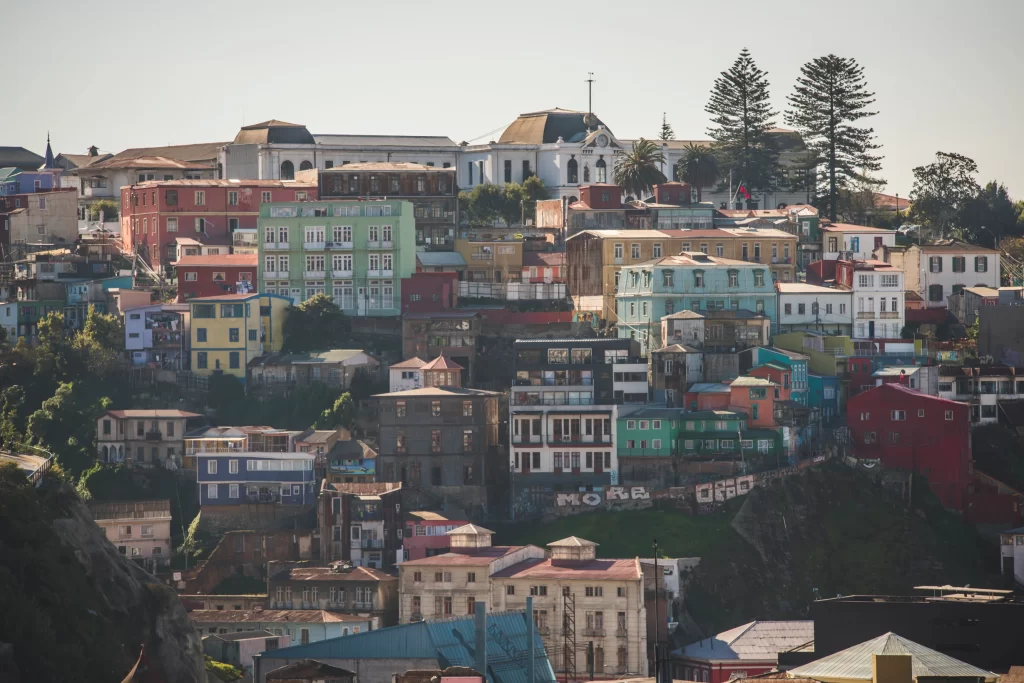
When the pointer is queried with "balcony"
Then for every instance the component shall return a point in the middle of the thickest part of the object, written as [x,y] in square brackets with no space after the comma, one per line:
[371,544]
[756,258]
[520,439]
[598,632]
[373,244]
[341,273]
[865,315]
[362,605]
[314,274]
[93,192]
[416,616]
[387,244]
[314,246]
[544,630]
[579,440]
[275,274]
[338,245]
[380,272]
[154,436]
[268,497]
[283,246]
[621,633]
[889,314]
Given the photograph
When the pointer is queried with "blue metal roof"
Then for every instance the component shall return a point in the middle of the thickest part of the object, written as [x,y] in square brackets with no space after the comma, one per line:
[449,641]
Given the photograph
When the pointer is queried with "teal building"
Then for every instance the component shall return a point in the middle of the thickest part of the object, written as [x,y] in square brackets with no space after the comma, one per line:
[724,433]
[690,281]
[355,252]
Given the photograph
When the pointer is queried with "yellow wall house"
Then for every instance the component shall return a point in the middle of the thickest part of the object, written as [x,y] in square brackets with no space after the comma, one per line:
[229,331]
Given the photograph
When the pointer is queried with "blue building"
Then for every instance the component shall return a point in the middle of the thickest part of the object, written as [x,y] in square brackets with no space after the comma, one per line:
[691,281]
[796,362]
[14,181]
[237,478]
[378,654]
[823,395]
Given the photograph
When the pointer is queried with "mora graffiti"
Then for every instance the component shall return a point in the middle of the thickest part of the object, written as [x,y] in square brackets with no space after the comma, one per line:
[610,495]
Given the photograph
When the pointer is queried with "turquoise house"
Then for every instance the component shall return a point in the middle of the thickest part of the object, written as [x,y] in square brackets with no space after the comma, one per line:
[823,395]
[796,362]
[691,281]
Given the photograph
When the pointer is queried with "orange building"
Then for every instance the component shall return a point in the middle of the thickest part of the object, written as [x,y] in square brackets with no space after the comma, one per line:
[756,397]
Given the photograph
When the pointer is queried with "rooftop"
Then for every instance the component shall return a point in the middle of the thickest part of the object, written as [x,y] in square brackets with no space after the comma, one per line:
[708,387]
[241,635]
[164,414]
[696,258]
[987,292]
[752,382]
[217,260]
[385,166]
[714,414]
[467,557]
[804,288]
[594,570]
[429,516]
[413,363]
[757,641]
[683,315]
[543,259]
[439,392]
[225,182]
[346,140]
[544,127]
[131,509]
[441,363]
[440,259]
[318,573]
[271,616]
[847,227]
[955,246]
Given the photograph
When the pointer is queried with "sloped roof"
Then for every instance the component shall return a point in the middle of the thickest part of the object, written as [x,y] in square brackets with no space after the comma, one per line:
[594,570]
[413,363]
[543,258]
[471,529]
[684,315]
[708,387]
[540,127]
[752,382]
[572,542]
[156,414]
[441,363]
[274,131]
[439,392]
[440,259]
[151,161]
[344,140]
[308,669]
[758,640]
[269,616]
[20,157]
[854,663]
[202,152]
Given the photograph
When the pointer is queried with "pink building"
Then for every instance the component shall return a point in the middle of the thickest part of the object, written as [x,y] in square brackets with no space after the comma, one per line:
[426,534]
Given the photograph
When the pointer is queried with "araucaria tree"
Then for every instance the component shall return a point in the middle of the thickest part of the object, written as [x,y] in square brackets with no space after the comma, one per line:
[830,97]
[637,171]
[666,132]
[741,118]
[698,167]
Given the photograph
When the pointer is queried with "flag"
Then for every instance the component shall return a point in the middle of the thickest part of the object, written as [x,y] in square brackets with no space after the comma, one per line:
[743,191]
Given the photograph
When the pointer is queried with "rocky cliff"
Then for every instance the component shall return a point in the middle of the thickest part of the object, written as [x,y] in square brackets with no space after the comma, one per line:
[74,608]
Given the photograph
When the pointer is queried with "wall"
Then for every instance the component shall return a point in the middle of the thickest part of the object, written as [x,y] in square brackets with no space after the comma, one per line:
[46,217]
[250,550]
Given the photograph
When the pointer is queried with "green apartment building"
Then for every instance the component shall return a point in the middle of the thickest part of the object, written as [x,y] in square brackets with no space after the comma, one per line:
[724,433]
[646,443]
[355,252]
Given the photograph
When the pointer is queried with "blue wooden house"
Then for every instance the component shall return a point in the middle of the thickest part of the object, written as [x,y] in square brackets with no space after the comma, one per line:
[241,478]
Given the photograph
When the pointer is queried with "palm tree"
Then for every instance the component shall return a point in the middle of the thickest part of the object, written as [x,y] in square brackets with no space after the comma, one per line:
[637,171]
[699,168]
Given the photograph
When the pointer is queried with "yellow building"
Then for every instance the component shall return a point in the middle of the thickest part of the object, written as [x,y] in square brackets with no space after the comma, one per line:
[594,257]
[229,331]
[496,261]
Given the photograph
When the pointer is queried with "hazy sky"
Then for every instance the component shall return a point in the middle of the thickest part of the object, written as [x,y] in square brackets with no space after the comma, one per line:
[948,75]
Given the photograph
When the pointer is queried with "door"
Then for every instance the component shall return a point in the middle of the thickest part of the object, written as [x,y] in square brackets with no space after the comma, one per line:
[871,329]
[361,301]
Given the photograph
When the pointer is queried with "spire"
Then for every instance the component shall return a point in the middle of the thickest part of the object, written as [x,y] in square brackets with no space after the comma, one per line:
[49,152]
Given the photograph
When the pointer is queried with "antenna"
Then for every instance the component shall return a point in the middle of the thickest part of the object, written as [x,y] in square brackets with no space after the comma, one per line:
[590,92]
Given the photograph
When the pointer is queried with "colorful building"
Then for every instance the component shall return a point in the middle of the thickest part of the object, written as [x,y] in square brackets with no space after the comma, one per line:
[741,652]
[646,441]
[823,392]
[426,534]
[691,281]
[355,252]
[710,434]
[229,331]
[756,397]
[797,363]
[241,478]
[213,275]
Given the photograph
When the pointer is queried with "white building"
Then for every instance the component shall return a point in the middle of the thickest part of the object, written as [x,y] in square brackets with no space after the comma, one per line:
[983,387]
[813,307]
[935,271]
[878,300]
[406,375]
[853,242]
[570,444]
[158,334]
[1011,553]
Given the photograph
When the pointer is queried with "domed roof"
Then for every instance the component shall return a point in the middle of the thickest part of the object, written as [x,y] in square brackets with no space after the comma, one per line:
[274,131]
[547,126]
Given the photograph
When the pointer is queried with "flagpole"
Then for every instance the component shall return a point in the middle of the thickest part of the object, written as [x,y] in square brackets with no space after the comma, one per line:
[730,189]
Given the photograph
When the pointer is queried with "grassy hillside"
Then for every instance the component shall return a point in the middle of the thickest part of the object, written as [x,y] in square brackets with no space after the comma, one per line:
[763,556]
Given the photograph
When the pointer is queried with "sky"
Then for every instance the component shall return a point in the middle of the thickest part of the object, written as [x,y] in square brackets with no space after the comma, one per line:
[947,75]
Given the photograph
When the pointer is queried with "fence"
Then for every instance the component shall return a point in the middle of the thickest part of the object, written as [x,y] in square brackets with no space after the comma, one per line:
[511,291]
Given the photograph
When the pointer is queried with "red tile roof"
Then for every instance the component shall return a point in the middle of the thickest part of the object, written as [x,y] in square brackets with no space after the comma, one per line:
[226,297]
[413,363]
[217,260]
[478,557]
[442,363]
[847,227]
[602,570]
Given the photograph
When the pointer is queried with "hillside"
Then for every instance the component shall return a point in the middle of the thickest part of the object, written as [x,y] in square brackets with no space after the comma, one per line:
[828,528]
[75,609]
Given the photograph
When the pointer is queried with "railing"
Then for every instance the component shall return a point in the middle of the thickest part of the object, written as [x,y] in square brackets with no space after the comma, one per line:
[371,543]
[338,245]
[277,274]
[520,439]
[362,605]
[416,616]
[154,436]
[526,400]
[865,315]
[276,245]
[593,631]
[544,630]
[341,273]
[312,274]
[889,314]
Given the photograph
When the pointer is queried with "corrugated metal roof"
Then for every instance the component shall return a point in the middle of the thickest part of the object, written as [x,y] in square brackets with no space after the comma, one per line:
[855,662]
[758,640]
[449,641]
[384,140]
[441,259]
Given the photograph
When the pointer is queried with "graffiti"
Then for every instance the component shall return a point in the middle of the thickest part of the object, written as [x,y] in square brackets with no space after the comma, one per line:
[724,489]
[612,494]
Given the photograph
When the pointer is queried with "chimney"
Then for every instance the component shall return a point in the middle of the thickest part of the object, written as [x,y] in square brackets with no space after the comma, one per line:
[891,669]
[93,151]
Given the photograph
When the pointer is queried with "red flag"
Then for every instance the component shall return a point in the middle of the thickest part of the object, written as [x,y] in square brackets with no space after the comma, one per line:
[743,191]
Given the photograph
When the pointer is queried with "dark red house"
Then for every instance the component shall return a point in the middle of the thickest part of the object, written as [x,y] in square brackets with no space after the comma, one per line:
[214,275]
[909,430]
[430,292]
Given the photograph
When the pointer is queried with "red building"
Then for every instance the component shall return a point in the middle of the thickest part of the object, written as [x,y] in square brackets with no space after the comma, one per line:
[155,213]
[740,652]
[906,429]
[601,196]
[430,292]
[672,193]
[544,267]
[214,275]
[426,534]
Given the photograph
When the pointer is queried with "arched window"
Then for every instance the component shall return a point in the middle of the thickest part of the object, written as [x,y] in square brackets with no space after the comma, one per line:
[287,170]
[305,166]
[572,172]
[120,453]
[602,171]
[586,173]
[105,459]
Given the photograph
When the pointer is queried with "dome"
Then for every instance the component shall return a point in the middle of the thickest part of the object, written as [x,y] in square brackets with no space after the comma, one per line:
[274,132]
[547,126]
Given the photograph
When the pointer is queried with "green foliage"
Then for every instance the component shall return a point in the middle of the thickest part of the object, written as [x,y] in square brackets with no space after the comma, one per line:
[316,324]
[222,671]
[239,584]
[637,171]
[364,385]
[699,168]
[65,425]
[942,191]
[105,210]
[483,205]
[342,413]
[298,410]
[741,118]
[666,132]
[830,97]
[486,203]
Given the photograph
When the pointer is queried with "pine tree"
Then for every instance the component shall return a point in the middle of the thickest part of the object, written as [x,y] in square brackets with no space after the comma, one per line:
[741,118]
[830,97]
[666,130]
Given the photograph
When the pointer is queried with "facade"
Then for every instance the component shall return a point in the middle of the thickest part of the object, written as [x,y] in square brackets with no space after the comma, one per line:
[797,363]
[203,276]
[491,261]
[241,478]
[301,625]
[432,190]
[451,334]
[139,529]
[1011,555]
[237,649]
[158,335]
[647,445]
[360,524]
[824,393]
[804,306]
[443,441]
[564,408]
[872,282]
[39,218]
[142,438]
[336,368]
[339,588]
[17,181]
[691,281]
[964,305]
[230,330]
[355,252]
[853,242]
[983,388]
[716,434]
[543,267]
[936,271]
[351,462]
[674,369]
[155,213]
[426,534]
[907,429]
[740,652]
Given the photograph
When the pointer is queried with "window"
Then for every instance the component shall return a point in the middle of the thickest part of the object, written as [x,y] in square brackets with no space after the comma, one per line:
[211,467]
[634,250]
[934,292]
[869,437]
[232,490]
[734,278]
[510,590]
[399,408]
[949,415]
[618,251]
[200,198]
[894,438]
[890,280]
[935,264]
[211,490]
[233,334]
[201,360]
[787,309]
[698,278]
[435,408]
[981,264]
[801,308]
[234,360]
[759,278]
[538,590]
[657,250]
[232,467]
[471,577]
[898,415]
